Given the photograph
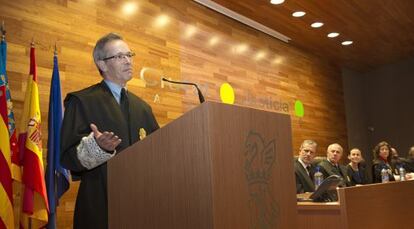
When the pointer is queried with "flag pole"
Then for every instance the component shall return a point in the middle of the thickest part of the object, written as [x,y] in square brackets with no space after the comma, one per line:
[55,177]
[32,44]
[55,52]
[3,31]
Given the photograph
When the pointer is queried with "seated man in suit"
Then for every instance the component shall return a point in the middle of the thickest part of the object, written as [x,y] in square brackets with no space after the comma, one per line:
[410,160]
[304,168]
[397,161]
[330,166]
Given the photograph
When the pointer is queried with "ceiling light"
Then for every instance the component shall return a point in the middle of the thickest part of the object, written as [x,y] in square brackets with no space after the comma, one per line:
[242,19]
[213,41]
[190,31]
[277,2]
[347,42]
[332,35]
[317,24]
[239,49]
[298,14]
[260,55]
[129,8]
[277,60]
[161,20]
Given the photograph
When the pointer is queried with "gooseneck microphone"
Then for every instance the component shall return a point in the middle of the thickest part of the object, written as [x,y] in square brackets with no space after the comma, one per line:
[200,95]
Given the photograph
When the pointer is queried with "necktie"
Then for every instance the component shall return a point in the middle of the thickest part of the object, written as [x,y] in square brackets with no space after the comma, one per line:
[338,170]
[308,168]
[125,111]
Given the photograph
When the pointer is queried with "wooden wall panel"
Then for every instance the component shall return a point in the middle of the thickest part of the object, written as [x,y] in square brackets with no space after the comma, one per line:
[282,75]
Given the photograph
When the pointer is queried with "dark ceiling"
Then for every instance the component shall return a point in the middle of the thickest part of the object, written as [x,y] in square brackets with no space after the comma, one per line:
[382,31]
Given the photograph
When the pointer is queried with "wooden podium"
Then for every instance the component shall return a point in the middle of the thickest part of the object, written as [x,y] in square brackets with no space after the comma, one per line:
[218,166]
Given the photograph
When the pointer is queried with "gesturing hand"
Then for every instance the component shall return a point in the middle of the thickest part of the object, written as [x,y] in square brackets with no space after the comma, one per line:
[106,140]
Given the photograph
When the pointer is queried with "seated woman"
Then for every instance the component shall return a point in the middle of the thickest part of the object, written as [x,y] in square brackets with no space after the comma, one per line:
[355,168]
[382,159]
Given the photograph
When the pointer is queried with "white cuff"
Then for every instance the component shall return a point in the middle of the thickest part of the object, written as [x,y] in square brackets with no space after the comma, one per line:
[90,154]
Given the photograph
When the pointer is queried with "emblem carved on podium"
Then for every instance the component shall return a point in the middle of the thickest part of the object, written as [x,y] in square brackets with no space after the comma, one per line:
[260,157]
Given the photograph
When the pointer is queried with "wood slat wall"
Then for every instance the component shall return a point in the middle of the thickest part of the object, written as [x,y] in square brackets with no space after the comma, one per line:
[281,75]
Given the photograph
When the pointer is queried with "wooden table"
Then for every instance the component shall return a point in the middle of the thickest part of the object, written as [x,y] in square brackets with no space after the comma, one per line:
[386,205]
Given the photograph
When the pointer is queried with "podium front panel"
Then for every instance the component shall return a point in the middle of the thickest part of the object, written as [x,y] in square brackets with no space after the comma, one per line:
[217,166]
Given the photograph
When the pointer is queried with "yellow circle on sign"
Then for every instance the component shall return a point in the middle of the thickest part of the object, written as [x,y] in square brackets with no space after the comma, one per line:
[227,93]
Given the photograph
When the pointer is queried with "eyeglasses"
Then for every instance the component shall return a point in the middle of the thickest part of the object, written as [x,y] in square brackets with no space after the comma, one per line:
[120,56]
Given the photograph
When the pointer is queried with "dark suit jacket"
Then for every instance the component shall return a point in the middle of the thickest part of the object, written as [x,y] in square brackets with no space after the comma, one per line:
[410,165]
[304,182]
[97,105]
[396,163]
[327,169]
[377,166]
[357,177]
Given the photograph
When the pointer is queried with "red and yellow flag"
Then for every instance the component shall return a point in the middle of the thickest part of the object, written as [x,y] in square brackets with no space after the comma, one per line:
[6,188]
[6,192]
[35,205]
[15,158]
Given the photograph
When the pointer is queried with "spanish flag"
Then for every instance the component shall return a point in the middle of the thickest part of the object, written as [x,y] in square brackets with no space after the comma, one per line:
[6,194]
[35,204]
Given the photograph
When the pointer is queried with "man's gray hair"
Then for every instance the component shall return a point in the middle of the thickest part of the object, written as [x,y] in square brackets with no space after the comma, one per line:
[308,142]
[99,51]
[336,144]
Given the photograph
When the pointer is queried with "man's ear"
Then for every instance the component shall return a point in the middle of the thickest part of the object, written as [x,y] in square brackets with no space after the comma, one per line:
[102,65]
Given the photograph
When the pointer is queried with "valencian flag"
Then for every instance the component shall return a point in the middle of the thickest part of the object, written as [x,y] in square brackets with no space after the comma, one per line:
[57,178]
[6,192]
[15,158]
[35,205]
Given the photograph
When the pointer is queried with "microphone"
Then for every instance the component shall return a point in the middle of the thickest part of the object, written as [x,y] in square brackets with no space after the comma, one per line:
[200,95]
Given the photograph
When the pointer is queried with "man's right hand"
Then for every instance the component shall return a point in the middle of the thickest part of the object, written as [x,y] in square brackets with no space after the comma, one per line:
[106,140]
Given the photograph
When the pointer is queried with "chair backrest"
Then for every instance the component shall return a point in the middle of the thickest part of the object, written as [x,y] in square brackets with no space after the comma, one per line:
[318,159]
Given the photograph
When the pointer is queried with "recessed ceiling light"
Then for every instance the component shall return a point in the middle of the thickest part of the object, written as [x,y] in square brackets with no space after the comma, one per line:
[161,20]
[260,55]
[129,8]
[277,60]
[190,31]
[241,48]
[213,41]
[317,24]
[332,35]
[277,2]
[298,14]
[347,42]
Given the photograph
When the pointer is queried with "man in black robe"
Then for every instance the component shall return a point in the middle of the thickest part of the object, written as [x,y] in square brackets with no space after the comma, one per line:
[304,169]
[330,166]
[99,122]
[410,160]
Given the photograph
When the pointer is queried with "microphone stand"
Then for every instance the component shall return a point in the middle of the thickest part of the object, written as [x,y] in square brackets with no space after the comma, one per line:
[200,94]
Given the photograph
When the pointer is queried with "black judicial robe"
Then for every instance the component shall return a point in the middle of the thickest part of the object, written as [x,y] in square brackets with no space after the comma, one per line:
[304,182]
[97,105]
[328,169]
[377,166]
[410,165]
[359,176]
